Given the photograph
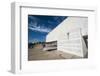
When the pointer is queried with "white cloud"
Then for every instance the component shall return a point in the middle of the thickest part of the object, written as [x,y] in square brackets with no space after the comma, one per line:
[40,29]
[34,26]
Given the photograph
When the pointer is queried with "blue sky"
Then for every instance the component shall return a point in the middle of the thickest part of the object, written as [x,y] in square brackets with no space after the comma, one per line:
[40,25]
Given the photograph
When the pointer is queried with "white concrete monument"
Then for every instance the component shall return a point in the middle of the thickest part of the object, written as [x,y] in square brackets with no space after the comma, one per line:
[69,35]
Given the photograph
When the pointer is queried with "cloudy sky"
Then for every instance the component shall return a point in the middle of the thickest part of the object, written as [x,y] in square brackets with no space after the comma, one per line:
[39,26]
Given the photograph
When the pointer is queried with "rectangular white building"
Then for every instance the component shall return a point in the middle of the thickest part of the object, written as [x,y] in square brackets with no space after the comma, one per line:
[69,36]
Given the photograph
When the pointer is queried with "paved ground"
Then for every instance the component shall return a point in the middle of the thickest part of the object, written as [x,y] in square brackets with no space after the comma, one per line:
[37,53]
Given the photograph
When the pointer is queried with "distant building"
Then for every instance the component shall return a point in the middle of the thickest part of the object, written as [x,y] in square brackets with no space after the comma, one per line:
[71,36]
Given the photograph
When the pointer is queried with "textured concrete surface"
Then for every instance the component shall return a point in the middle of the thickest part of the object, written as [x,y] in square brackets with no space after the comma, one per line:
[37,53]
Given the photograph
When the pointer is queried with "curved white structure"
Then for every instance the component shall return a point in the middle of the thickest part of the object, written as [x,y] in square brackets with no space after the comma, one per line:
[69,35]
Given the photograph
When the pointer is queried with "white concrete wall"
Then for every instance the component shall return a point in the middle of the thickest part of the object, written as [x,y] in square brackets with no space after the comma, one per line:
[76,27]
